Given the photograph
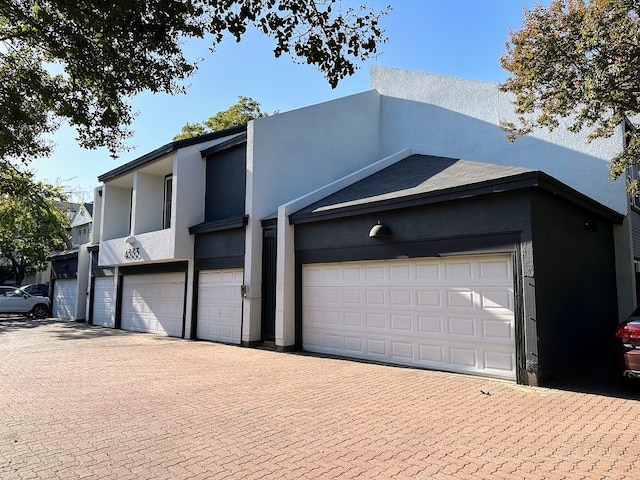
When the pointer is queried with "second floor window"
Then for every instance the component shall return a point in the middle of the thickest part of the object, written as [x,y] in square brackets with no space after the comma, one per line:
[168,190]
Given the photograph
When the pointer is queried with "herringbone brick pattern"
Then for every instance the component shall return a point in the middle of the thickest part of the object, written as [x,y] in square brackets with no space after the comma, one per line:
[82,402]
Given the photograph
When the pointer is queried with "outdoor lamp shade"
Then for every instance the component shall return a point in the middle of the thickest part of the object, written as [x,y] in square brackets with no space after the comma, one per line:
[379,230]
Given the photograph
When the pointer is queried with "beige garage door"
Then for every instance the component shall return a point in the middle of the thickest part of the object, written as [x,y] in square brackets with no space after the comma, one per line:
[65,298]
[153,303]
[454,313]
[103,301]
[220,305]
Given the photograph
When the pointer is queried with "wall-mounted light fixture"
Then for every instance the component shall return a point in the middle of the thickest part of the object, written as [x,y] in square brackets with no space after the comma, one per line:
[379,231]
[131,240]
[590,226]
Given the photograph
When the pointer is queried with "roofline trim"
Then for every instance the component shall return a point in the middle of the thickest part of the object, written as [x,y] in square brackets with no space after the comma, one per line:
[232,142]
[166,149]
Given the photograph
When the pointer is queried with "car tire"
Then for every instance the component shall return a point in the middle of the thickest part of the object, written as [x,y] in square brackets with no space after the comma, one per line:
[40,310]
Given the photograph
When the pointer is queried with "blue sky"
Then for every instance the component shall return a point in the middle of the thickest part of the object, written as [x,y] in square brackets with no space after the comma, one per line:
[462,38]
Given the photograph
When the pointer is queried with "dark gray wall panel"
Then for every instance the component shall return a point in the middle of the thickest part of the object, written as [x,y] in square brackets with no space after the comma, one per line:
[575,281]
[227,243]
[439,225]
[634,216]
[226,184]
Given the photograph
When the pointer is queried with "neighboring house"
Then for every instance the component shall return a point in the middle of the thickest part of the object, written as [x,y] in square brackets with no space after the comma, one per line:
[396,225]
[70,268]
[43,275]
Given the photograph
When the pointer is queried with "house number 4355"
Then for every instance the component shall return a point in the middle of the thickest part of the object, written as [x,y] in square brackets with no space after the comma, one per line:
[132,253]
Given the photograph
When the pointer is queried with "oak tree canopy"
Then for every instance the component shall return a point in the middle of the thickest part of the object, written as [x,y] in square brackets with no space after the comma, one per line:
[578,59]
[245,109]
[81,61]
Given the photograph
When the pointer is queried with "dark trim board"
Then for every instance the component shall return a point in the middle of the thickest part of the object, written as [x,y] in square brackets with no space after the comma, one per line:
[154,268]
[193,333]
[520,326]
[467,245]
[92,283]
[220,225]
[217,263]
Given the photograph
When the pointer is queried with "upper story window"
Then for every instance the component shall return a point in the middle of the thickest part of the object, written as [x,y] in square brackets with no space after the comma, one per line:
[168,190]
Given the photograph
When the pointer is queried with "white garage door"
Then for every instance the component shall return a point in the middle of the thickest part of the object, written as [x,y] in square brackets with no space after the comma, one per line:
[65,298]
[220,305]
[103,301]
[454,313]
[153,303]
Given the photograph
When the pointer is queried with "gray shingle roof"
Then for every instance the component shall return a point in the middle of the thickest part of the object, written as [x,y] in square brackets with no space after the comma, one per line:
[415,175]
[421,179]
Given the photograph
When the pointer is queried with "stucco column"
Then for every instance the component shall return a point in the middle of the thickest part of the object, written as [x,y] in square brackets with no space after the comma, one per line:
[252,302]
[188,300]
[285,282]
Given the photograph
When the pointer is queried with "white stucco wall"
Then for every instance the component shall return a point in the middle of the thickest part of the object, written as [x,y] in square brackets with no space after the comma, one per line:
[459,118]
[294,153]
[149,198]
[116,205]
[189,178]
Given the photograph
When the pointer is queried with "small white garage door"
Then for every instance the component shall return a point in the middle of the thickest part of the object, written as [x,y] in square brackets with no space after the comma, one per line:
[65,298]
[454,313]
[220,305]
[103,301]
[153,303]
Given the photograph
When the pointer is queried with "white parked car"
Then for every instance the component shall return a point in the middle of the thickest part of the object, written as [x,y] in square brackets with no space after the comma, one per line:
[14,300]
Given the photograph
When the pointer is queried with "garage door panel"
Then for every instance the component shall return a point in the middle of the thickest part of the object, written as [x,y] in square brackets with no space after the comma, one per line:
[496,299]
[453,314]
[497,329]
[220,305]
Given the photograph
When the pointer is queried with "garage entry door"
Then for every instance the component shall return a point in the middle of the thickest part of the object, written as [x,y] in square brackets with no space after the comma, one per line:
[65,298]
[220,305]
[454,313]
[153,303]
[103,301]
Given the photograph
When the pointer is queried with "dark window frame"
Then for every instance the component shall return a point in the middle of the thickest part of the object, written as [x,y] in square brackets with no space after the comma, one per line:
[167,203]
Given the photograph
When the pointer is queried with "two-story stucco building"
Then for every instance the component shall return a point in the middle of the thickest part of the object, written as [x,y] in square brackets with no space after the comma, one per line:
[395,225]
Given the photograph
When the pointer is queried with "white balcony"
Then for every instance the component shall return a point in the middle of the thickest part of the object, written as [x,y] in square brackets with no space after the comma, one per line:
[155,246]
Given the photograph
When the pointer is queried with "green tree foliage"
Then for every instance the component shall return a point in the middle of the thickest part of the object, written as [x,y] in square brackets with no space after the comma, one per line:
[578,59]
[237,114]
[81,61]
[30,226]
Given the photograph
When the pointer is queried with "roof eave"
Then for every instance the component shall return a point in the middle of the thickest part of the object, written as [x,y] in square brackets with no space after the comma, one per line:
[515,182]
[166,149]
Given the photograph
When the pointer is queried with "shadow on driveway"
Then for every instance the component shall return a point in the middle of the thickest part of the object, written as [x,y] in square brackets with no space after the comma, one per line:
[10,323]
[605,381]
[72,330]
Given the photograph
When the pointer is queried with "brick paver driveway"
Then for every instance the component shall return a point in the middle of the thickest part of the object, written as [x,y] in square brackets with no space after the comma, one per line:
[81,402]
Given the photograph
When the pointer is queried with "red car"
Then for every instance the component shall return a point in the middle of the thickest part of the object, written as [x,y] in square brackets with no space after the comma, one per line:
[629,334]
